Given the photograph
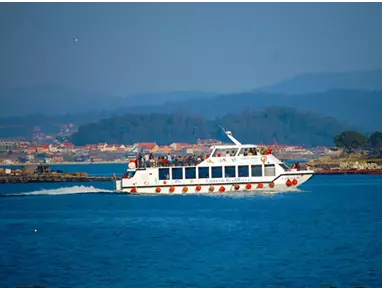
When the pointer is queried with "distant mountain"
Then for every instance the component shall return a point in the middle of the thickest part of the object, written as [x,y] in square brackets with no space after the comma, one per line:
[361,109]
[354,98]
[58,100]
[11,127]
[358,109]
[148,99]
[286,125]
[321,82]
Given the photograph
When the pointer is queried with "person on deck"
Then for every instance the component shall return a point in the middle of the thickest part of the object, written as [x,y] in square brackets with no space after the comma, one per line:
[165,162]
[169,159]
[296,166]
[147,160]
[143,164]
[138,159]
[152,160]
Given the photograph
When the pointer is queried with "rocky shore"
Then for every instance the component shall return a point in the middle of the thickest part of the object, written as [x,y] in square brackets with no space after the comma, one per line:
[42,174]
[346,164]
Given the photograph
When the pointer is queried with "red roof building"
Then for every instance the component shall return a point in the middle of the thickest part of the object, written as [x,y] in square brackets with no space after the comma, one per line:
[146,145]
[68,144]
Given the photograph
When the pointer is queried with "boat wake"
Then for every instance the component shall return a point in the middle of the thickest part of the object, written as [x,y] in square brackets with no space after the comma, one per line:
[93,190]
[249,194]
[63,191]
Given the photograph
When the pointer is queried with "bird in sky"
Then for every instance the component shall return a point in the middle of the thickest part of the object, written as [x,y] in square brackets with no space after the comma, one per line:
[75,39]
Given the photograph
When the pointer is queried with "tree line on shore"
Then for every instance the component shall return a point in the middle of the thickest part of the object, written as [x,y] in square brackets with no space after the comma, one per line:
[281,125]
[354,140]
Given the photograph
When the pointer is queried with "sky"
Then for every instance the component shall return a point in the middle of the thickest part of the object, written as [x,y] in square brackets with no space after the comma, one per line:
[130,48]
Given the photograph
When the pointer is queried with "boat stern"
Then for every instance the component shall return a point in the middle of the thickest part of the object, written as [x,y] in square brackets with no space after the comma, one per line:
[118,185]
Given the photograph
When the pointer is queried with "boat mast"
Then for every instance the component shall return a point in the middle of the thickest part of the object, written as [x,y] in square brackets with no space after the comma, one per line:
[230,136]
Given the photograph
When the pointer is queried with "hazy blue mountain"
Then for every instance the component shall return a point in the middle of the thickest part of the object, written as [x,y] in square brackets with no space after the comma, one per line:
[359,106]
[361,109]
[57,100]
[352,97]
[320,82]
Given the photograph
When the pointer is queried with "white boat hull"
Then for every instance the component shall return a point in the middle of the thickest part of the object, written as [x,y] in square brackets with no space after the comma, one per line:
[278,184]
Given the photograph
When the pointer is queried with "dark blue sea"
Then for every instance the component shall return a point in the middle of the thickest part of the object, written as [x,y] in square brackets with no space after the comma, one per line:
[83,235]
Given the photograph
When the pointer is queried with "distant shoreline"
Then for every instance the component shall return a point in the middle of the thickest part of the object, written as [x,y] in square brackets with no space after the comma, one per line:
[91,163]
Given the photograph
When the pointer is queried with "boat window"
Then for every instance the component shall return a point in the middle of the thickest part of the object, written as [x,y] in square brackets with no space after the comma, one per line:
[285,167]
[257,170]
[269,170]
[177,173]
[225,152]
[219,153]
[129,174]
[230,171]
[204,172]
[242,151]
[243,171]
[248,152]
[217,172]
[190,173]
[164,174]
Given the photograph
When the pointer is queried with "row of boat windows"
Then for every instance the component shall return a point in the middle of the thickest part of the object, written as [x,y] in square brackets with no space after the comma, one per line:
[233,151]
[216,172]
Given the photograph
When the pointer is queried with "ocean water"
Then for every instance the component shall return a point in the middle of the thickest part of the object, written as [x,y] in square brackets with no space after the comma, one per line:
[91,169]
[329,233]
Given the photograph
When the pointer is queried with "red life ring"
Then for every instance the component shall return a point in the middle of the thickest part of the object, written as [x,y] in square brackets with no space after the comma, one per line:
[158,189]
[248,186]
[288,183]
[260,185]
[185,189]
[294,182]
[271,185]
[237,187]
[222,189]
[212,188]
[172,189]
[198,188]
[133,190]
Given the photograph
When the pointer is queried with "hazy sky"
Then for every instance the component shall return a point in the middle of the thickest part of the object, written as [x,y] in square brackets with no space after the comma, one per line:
[127,48]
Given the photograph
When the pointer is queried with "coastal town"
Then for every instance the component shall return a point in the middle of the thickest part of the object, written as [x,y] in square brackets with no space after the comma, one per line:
[24,152]
[46,149]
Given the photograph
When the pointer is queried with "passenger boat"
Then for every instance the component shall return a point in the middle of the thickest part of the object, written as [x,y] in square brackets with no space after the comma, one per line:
[228,168]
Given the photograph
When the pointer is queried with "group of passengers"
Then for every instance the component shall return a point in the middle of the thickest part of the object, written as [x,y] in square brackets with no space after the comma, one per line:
[243,152]
[147,160]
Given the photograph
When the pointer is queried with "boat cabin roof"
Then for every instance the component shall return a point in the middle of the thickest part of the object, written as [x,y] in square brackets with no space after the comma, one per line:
[243,146]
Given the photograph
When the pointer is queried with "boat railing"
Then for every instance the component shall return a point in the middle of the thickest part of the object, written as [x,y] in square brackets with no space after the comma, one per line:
[169,165]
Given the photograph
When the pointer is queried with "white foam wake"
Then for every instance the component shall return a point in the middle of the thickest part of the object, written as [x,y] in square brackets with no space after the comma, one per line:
[229,194]
[67,190]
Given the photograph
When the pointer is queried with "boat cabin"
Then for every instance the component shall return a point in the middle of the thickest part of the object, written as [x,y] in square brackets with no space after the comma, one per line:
[233,151]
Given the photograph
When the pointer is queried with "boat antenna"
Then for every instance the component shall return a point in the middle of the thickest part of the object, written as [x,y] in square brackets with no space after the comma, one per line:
[230,136]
